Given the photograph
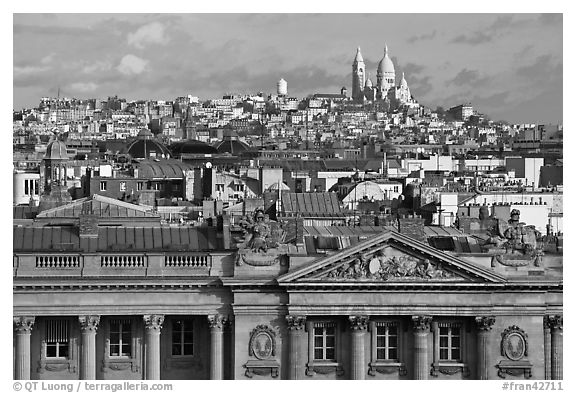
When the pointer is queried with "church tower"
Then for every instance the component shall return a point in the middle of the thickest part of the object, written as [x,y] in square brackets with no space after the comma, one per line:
[403,91]
[385,75]
[358,76]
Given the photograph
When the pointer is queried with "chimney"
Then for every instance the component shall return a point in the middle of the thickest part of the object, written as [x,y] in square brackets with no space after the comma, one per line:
[412,226]
[88,225]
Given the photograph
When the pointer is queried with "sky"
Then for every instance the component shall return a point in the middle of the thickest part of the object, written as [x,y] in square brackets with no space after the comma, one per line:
[509,66]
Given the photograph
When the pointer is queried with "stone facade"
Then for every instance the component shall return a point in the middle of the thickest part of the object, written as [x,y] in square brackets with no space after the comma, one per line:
[388,307]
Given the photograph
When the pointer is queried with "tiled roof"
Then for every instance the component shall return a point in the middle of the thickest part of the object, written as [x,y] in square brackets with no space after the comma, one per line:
[117,238]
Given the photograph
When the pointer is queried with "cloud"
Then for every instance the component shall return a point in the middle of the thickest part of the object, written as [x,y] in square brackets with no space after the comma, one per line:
[421,37]
[550,19]
[542,68]
[51,30]
[467,77]
[48,59]
[97,66]
[132,65]
[475,38]
[152,33]
[20,71]
[83,87]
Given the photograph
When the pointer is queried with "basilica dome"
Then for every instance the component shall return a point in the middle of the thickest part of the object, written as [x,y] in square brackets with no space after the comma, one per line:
[386,64]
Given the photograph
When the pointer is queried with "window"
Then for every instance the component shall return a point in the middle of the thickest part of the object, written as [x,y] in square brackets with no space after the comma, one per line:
[140,186]
[122,186]
[26,189]
[450,341]
[120,338]
[182,338]
[325,341]
[386,341]
[57,338]
[219,187]
[103,186]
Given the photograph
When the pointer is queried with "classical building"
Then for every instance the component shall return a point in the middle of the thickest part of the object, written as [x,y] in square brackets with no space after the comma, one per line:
[103,290]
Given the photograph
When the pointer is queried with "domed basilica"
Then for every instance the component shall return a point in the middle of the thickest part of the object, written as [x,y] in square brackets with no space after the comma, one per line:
[386,89]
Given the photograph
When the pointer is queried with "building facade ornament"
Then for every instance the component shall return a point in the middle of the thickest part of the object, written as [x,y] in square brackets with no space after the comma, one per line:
[380,267]
[153,321]
[89,323]
[358,322]
[554,322]
[24,324]
[485,323]
[262,350]
[296,322]
[421,323]
[217,321]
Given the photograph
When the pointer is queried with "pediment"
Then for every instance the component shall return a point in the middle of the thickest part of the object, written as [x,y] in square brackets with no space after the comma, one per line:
[392,258]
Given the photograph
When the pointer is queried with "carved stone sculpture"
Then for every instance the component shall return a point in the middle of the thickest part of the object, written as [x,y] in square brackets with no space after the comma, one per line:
[263,241]
[513,243]
[390,268]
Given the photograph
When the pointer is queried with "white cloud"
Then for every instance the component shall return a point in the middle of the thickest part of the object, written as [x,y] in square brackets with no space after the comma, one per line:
[27,70]
[97,66]
[132,65]
[152,33]
[48,59]
[84,87]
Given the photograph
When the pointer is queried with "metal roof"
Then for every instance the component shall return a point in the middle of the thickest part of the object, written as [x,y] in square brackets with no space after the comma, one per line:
[101,206]
[117,239]
[310,202]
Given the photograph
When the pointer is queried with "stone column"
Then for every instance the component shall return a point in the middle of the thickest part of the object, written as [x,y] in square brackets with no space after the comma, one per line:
[296,325]
[421,331]
[216,323]
[483,325]
[88,327]
[153,324]
[556,327]
[23,328]
[358,326]
[547,349]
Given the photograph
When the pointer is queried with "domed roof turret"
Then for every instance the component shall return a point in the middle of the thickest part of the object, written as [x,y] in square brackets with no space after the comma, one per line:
[56,150]
[231,143]
[385,64]
[191,147]
[368,82]
[145,146]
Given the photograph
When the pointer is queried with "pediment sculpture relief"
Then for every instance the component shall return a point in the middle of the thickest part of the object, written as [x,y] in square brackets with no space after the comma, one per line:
[383,267]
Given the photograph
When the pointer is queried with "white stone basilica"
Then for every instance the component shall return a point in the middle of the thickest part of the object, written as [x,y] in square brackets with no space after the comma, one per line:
[385,89]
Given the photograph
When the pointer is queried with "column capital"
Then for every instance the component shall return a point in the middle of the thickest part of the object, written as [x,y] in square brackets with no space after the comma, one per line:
[153,322]
[554,322]
[484,324]
[295,322]
[358,322]
[89,323]
[23,324]
[216,321]
[421,323]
